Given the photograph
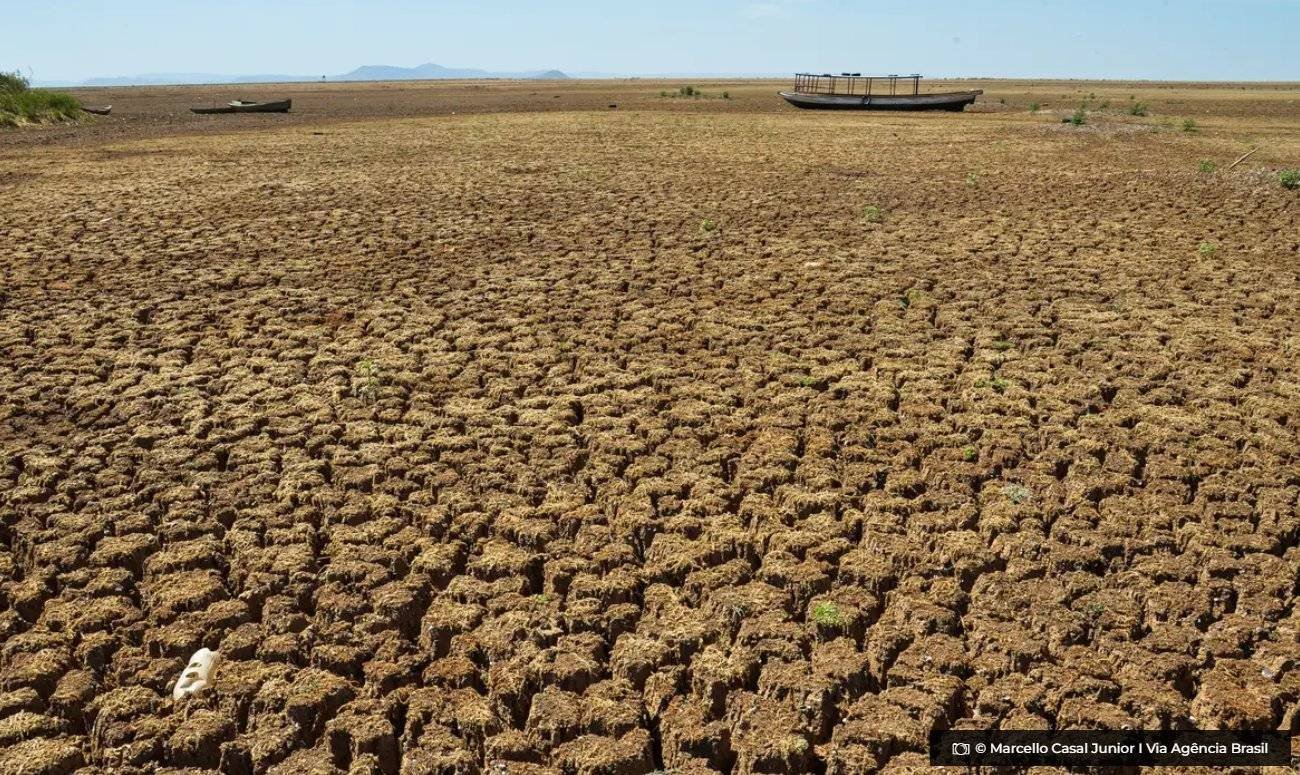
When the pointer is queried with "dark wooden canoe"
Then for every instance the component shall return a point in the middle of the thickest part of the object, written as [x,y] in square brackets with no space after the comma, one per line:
[104,111]
[955,101]
[241,106]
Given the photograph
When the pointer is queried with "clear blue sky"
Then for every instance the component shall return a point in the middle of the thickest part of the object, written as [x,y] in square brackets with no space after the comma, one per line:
[1165,39]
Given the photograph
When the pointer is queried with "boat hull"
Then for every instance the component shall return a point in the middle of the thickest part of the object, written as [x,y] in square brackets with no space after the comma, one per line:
[257,107]
[954,101]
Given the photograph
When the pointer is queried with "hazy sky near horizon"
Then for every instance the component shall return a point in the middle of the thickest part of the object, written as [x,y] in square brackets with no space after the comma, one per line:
[70,40]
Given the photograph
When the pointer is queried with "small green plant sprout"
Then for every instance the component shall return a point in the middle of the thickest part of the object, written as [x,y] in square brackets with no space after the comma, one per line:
[1095,610]
[1190,125]
[872,214]
[1002,345]
[795,745]
[997,384]
[1290,179]
[827,614]
[972,179]
[1034,107]
[911,297]
[970,454]
[708,225]
[1206,167]
[1136,108]
[367,380]
[1207,249]
[1016,493]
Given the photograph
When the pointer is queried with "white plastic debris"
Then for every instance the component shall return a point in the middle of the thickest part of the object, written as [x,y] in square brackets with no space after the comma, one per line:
[197,675]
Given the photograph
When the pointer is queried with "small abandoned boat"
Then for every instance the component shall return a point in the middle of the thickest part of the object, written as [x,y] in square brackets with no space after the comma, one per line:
[244,106]
[104,111]
[855,91]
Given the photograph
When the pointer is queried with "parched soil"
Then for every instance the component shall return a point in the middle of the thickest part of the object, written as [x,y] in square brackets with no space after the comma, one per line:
[704,436]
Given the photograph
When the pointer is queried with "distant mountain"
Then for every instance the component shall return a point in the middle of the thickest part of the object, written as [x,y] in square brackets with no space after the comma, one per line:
[427,71]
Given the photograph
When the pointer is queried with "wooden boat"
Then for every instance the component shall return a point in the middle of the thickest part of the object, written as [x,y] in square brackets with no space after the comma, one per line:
[243,106]
[854,91]
[104,111]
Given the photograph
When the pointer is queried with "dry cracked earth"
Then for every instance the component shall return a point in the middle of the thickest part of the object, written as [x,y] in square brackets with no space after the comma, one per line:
[607,442]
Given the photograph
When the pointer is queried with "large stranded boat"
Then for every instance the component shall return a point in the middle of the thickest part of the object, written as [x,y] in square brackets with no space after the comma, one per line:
[855,91]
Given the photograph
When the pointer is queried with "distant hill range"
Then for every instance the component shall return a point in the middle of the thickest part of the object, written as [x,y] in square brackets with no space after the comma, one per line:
[428,71]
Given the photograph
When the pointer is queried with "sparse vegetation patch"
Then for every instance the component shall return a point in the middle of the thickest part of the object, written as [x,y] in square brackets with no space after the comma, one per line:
[21,104]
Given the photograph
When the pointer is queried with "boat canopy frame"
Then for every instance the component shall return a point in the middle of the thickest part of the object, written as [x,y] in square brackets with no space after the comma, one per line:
[854,84]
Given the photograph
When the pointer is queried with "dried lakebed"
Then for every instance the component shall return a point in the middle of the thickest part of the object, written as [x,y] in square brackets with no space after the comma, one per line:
[580,442]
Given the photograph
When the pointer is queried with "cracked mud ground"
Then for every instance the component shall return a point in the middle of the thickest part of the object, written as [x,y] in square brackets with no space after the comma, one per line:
[615,442]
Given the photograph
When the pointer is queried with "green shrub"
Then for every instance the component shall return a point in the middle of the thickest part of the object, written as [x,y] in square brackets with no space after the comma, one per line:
[687,91]
[38,105]
[1290,179]
[20,104]
[1189,125]
[1034,107]
[1079,118]
[13,82]
[1136,108]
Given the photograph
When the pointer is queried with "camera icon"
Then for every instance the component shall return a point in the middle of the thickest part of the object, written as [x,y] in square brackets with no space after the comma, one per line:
[961,749]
